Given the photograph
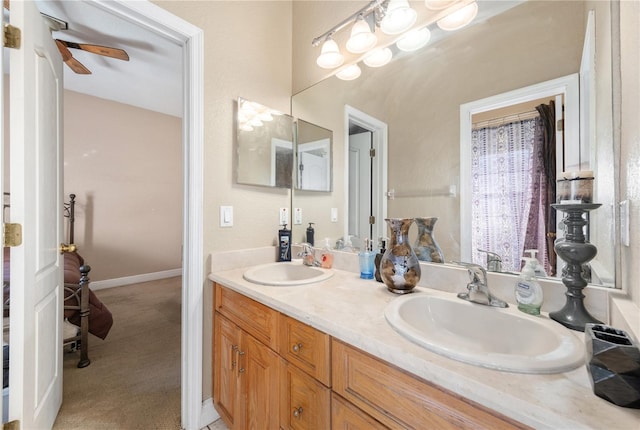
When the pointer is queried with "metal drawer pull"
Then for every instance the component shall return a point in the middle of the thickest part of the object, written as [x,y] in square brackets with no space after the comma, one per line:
[296,347]
[297,412]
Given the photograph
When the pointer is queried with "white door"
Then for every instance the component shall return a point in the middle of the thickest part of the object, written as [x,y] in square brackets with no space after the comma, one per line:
[359,187]
[35,379]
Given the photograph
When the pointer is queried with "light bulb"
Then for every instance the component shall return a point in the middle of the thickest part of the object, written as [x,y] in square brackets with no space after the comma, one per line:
[414,39]
[362,39]
[399,17]
[459,18]
[349,73]
[378,57]
[330,56]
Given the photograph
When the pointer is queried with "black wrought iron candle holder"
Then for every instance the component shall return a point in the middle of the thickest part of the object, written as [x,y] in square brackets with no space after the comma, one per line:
[575,250]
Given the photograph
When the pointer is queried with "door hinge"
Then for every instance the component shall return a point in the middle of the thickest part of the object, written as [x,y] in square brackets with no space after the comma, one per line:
[372,220]
[12,36]
[560,124]
[372,152]
[12,234]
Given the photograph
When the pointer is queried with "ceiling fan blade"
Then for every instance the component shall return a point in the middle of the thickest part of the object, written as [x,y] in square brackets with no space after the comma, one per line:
[97,49]
[68,59]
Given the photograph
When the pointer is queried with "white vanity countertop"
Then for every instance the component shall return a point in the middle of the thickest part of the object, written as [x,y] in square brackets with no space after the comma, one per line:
[352,310]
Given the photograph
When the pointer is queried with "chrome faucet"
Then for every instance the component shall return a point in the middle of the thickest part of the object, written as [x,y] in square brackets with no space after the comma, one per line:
[494,261]
[308,255]
[478,289]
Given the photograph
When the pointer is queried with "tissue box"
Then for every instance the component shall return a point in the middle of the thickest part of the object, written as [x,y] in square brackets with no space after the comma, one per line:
[613,364]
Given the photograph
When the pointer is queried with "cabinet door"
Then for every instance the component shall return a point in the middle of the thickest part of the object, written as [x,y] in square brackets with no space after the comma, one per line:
[307,348]
[345,416]
[259,376]
[226,390]
[304,402]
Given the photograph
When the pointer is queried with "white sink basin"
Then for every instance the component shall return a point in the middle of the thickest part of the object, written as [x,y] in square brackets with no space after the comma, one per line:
[502,339]
[286,274]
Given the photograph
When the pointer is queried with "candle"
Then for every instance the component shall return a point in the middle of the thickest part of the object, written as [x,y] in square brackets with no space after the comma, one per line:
[575,187]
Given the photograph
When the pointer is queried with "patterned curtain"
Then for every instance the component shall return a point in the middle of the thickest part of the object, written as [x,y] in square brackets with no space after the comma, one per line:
[508,182]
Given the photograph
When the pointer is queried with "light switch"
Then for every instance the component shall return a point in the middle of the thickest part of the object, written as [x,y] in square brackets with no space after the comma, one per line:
[334,214]
[226,216]
[297,216]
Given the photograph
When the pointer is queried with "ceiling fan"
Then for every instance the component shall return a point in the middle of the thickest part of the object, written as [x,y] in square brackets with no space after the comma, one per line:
[77,66]
[63,46]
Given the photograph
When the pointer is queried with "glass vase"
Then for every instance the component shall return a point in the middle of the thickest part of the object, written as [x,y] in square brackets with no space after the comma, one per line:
[426,247]
[399,266]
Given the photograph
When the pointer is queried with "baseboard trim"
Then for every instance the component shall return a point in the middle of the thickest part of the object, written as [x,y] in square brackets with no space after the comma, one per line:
[135,279]
[208,414]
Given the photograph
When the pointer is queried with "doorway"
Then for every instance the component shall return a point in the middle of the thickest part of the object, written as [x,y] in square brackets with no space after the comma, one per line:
[366,182]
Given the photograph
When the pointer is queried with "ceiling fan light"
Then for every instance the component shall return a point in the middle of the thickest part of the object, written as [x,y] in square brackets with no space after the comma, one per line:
[349,73]
[459,18]
[330,56]
[399,17]
[378,57]
[438,4]
[362,39]
[414,39]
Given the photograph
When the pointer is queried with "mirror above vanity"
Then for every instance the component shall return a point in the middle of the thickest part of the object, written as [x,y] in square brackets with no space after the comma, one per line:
[419,95]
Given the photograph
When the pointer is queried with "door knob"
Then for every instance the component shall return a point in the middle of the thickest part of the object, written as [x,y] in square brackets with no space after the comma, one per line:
[67,248]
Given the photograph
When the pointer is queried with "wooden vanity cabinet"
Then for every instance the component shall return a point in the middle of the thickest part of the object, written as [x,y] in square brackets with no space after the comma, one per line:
[400,400]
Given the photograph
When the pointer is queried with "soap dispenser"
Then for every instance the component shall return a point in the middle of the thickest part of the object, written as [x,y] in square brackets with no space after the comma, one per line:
[382,249]
[528,290]
[538,268]
[284,244]
[310,234]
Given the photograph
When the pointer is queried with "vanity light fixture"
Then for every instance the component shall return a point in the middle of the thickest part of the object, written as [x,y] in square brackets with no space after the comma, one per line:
[362,38]
[398,17]
[349,73]
[378,57]
[330,56]
[459,18]
[414,39]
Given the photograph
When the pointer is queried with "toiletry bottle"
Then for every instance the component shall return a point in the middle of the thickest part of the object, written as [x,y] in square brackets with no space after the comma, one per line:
[310,233]
[284,244]
[366,257]
[376,262]
[538,269]
[327,255]
[528,290]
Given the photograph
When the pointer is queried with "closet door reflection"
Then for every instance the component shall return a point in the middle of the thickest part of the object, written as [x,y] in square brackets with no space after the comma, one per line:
[360,193]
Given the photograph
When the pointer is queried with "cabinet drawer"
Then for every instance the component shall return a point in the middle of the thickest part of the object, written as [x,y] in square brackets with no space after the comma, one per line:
[255,318]
[304,402]
[402,401]
[345,416]
[307,348]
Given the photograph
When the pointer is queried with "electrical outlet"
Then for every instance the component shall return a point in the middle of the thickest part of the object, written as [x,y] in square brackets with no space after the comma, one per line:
[624,222]
[284,216]
[297,216]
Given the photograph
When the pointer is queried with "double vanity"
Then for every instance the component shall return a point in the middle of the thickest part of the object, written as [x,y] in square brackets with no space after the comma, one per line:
[327,349]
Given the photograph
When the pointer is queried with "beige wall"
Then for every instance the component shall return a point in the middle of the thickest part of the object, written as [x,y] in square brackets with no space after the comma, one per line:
[630,143]
[125,166]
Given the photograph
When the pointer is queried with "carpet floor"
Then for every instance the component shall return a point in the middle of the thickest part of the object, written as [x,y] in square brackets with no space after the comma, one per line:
[133,381]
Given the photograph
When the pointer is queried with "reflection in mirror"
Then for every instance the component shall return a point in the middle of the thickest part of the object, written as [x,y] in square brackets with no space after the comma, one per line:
[313,149]
[419,96]
[264,146]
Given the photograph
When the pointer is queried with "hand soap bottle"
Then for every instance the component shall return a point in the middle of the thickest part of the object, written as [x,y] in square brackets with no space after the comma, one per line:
[528,290]
[310,234]
[284,244]
[327,255]
[378,258]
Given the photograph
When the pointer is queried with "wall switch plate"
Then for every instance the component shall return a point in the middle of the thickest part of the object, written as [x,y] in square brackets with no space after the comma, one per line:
[297,216]
[624,222]
[284,216]
[334,214]
[226,216]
